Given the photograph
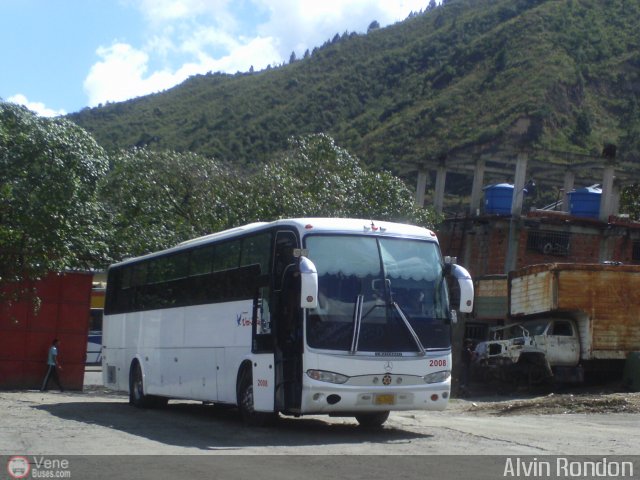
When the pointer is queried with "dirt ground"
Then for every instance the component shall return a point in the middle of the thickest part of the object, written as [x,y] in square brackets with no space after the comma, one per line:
[482,401]
[610,398]
[588,421]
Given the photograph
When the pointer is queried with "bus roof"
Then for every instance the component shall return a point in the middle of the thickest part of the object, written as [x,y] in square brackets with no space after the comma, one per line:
[303,226]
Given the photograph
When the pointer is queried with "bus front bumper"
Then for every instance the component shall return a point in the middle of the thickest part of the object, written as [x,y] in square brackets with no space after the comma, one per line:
[322,397]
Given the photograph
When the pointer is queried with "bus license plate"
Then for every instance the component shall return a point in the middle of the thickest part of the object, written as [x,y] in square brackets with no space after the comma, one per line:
[385,399]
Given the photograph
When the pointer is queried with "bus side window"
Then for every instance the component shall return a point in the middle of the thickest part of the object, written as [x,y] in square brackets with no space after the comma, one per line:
[255,259]
[256,250]
[227,256]
[201,260]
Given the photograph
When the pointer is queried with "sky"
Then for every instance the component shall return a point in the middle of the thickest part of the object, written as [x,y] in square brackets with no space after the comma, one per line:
[60,56]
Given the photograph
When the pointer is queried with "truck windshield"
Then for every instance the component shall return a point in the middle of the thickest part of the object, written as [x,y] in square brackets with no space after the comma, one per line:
[536,327]
[508,332]
[378,295]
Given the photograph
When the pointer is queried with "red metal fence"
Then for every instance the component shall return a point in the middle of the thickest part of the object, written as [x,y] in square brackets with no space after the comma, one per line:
[26,333]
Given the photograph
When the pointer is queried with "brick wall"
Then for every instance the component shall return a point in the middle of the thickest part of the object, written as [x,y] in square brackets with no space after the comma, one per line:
[481,243]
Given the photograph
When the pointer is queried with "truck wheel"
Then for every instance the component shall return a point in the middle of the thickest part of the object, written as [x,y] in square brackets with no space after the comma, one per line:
[372,420]
[536,375]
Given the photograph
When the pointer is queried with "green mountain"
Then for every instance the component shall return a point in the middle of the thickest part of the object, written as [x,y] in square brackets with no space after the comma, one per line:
[460,75]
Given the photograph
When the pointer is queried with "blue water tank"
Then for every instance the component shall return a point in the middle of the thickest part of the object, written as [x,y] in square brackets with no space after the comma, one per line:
[498,198]
[585,202]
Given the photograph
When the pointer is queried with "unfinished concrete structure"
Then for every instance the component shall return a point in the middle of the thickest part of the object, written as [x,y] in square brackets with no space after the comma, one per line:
[491,245]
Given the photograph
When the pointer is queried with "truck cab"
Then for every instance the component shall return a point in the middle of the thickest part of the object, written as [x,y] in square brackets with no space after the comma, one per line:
[537,348]
[559,341]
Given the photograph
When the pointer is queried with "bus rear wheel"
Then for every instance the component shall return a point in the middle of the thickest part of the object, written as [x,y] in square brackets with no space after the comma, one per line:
[137,397]
[372,420]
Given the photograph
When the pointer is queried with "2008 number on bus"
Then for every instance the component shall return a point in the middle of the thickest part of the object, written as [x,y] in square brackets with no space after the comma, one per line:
[438,363]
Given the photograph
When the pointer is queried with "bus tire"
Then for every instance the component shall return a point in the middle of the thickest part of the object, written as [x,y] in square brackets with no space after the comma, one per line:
[372,420]
[159,402]
[137,398]
[250,417]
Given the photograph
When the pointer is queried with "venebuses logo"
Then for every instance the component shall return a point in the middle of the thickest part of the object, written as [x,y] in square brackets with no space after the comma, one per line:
[18,467]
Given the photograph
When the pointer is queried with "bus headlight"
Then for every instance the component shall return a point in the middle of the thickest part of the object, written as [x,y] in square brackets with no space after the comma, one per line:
[437,377]
[324,376]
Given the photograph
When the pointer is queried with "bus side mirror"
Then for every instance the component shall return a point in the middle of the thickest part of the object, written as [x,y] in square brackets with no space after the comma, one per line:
[466,287]
[308,284]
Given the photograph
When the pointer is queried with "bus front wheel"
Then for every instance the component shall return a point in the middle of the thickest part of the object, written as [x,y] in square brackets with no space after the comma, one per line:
[249,416]
[372,420]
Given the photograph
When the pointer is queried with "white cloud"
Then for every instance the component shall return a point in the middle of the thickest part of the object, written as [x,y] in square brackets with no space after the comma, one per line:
[306,24]
[257,52]
[37,107]
[204,38]
[121,74]
[157,11]
[188,37]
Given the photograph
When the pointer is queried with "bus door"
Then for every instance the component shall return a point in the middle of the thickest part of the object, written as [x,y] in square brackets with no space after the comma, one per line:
[262,347]
[287,326]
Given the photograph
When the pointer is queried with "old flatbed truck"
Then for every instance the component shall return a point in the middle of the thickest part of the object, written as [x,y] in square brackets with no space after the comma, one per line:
[566,320]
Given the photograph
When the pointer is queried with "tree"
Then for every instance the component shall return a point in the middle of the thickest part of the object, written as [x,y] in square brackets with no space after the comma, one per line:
[50,219]
[583,127]
[373,26]
[630,201]
[292,58]
[158,199]
[315,177]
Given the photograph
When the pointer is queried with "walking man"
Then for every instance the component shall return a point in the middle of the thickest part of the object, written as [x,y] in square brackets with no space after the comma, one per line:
[52,367]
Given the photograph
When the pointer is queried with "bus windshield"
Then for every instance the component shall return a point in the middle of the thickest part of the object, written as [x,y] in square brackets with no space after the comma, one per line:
[378,295]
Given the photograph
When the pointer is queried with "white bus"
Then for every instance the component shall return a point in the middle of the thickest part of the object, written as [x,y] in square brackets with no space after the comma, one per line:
[306,316]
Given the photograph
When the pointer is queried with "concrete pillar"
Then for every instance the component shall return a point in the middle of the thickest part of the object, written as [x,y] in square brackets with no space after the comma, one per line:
[609,205]
[615,199]
[441,178]
[421,187]
[476,190]
[607,248]
[569,179]
[519,180]
[516,211]
[606,200]
[513,244]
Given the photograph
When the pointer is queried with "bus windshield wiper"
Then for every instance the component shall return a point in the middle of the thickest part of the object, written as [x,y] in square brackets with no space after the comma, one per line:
[357,321]
[410,328]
